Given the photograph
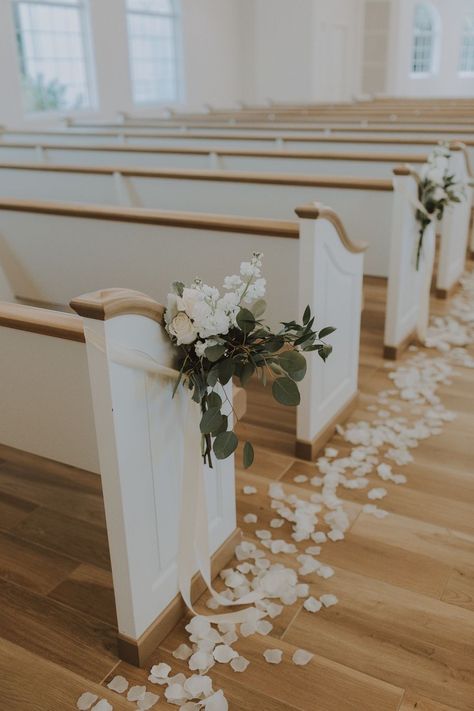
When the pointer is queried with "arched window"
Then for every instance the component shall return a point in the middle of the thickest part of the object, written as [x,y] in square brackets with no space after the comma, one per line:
[425,39]
[466,60]
[53,48]
[153,27]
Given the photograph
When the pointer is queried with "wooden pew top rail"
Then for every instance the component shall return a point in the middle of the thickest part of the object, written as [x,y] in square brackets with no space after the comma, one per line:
[289,137]
[225,176]
[42,321]
[221,223]
[107,303]
[314,211]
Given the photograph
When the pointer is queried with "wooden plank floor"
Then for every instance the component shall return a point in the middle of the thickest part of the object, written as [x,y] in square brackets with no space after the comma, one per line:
[401,637]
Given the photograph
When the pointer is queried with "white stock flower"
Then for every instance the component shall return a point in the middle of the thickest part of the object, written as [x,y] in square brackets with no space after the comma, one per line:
[439,194]
[232,282]
[182,328]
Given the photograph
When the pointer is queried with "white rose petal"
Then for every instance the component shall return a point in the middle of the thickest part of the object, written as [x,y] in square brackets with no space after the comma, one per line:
[330,452]
[312,604]
[273,656]
[198,686]
[182,652]
[335,535]
[135,693]
[329,600]
[223,653]
[250,518]
[264,627]
[300,479]
[216,702]
[161,670]
[249,489]
[148,701]
[118,684]
[377,493]
[103,705]
[175,693]
[86,700]
[264,535]
[201,661]
[301,657]
[239,664]
[277,522]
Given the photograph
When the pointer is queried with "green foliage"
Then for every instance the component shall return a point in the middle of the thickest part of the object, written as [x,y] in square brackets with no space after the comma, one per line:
[435,196]
[250,349]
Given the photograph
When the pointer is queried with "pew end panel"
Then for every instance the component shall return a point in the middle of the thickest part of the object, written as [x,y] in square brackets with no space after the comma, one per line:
[46,400]
[331,282]
[455,227]
[140,437]
[405,283]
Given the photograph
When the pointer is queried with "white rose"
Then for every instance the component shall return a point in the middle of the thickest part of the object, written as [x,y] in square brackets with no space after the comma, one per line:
[171,307]
[182,328]
[188,301]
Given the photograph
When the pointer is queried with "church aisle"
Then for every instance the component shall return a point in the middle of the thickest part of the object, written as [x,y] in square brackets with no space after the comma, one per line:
[401,637]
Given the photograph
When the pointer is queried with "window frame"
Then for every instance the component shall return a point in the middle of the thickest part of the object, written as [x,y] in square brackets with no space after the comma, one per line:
[435,39]
[89,61]
[175,15]
[465,34]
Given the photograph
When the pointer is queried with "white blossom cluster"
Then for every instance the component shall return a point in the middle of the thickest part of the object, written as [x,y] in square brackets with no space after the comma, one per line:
[201,312]
[435,170]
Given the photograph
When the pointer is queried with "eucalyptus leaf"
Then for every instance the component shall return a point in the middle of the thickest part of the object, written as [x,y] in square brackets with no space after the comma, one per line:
[213,353]
[249,455]
[293,363]
[245,321]
[226,371]
[214,400]
[211,421]
[325,351]
[326,331]
[259,307]
[285,391]
[306,315]
[225,444]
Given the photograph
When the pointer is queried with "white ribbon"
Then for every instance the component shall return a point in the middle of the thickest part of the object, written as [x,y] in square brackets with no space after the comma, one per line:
[427,256]
[194,551]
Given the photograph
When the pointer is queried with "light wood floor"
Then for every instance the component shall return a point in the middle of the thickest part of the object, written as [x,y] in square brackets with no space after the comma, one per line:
[401,637]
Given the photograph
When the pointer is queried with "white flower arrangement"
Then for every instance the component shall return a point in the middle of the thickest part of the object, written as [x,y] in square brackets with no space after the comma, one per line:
[220,336]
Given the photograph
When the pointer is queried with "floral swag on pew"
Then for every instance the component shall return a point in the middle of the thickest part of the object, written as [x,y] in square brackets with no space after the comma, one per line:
[437,189]
[221,336]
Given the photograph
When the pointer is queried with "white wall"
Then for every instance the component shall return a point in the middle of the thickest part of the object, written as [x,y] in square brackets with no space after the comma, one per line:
[446,81]
[306,50]
[212,70]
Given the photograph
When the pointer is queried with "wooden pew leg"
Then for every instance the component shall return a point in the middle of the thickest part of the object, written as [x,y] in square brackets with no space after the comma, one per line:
[310,450]
[394,352]
[137,651]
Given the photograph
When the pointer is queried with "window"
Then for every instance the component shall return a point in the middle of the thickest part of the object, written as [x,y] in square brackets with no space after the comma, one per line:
[466,60]
[153,43]
[53,59]
[425,36]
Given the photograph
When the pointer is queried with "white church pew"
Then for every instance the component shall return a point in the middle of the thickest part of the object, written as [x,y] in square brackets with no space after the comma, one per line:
[51,251]
[366,205]
[371,165]
[63,401]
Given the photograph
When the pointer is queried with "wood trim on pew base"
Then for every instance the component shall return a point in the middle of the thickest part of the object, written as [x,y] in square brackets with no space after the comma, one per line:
[447,293]
[310,450]
[394,352]
[136,652]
